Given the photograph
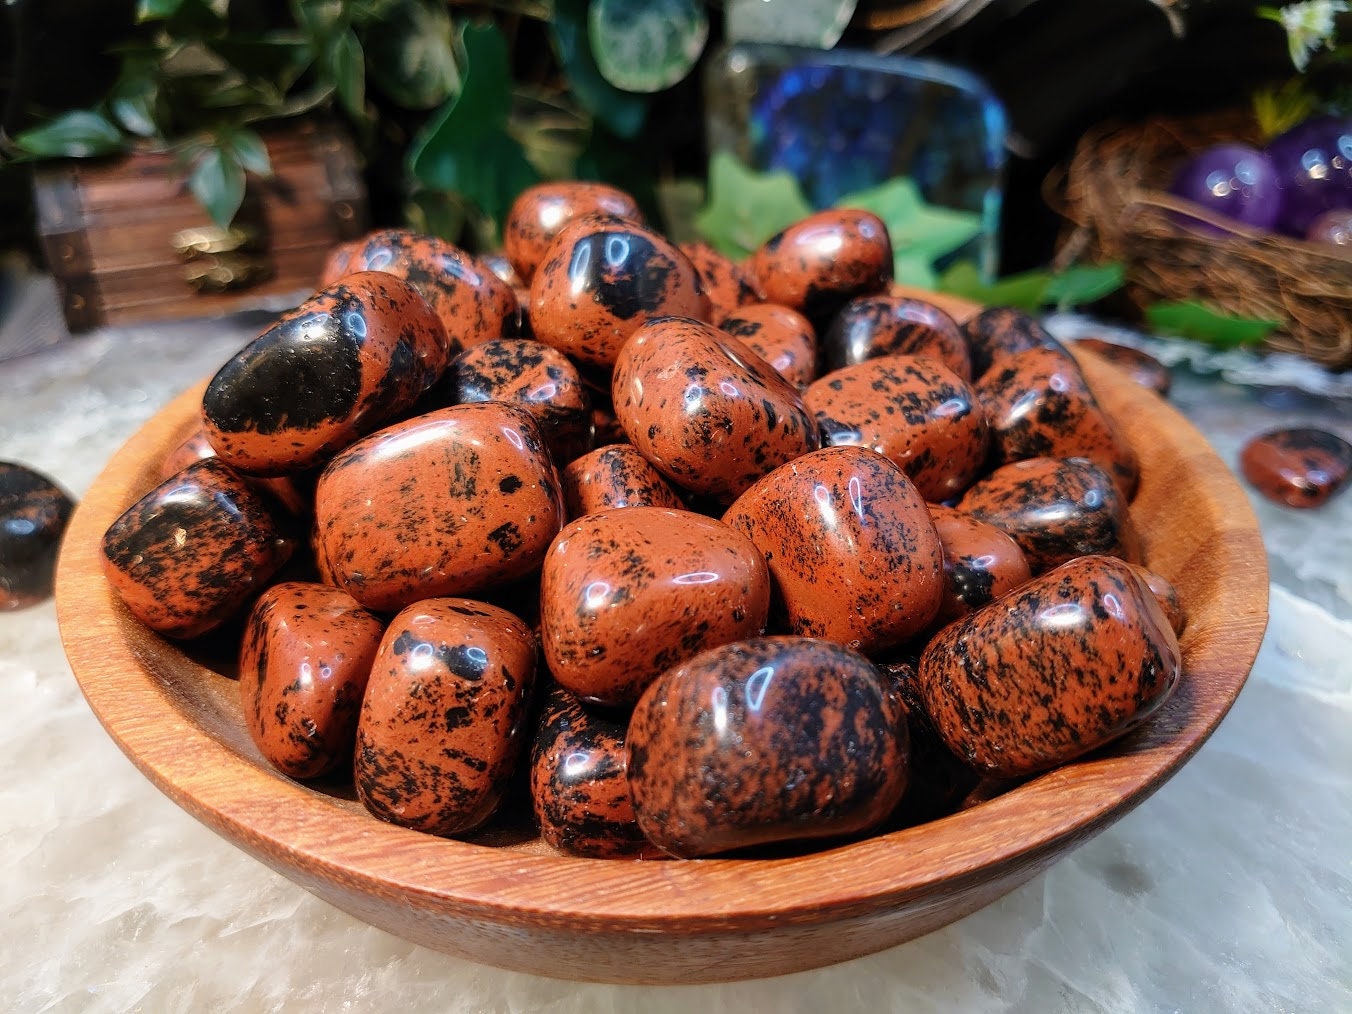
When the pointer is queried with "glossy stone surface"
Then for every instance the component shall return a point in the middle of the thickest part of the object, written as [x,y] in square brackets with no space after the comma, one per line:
[345,362]
[1039,405]
[1166,595]
[498,263]
[913,410]
[614,476]
[1140,366]
[601,279]
[540,212]
[303,665]
[579,780]
[1069,662]
[455,501]
[710,414]
[771,739]
[625,594]
[728,285]
[852,549]
[443,722]
[33,516]
[294,492]
[1300,467]
[820,263]
[886,325]
[533,375]
[473,303]
[1056,509]
[981,563]
[784,338]
[1002,331]
[191,552]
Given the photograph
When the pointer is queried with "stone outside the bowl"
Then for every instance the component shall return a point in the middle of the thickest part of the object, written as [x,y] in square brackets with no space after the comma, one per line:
[1301,467]
[33,516]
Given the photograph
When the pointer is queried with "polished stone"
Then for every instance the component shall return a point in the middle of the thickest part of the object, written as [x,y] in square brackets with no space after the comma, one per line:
[33,516]
[1226,890]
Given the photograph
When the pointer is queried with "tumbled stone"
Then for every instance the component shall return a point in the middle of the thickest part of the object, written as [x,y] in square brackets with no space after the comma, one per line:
[190,553]
[770,739]
[33,516]
[1297,467]
[1067,663]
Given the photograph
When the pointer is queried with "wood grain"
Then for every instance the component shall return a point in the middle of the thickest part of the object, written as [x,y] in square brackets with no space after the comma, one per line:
[522,906]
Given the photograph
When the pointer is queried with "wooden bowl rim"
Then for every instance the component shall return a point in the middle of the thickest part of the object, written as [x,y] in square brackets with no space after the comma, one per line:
[127,675]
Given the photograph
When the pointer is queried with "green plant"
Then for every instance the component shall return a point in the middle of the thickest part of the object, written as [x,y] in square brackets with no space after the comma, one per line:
[199,76]
[1321,63]
[745,208]
[458,105]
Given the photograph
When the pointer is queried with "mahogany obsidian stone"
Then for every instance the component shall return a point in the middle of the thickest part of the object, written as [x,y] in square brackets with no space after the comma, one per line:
[303,666]
[820,263]
[190,553]
[443,720]
[579,780]
[1056,509]
[33,516]
[601,279]
[347,361]
[886,325]
[770,739]
[1297,467]
[1141,367]
[1059,667]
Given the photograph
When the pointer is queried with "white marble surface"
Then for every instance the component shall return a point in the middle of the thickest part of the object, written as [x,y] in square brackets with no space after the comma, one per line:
[1231,889]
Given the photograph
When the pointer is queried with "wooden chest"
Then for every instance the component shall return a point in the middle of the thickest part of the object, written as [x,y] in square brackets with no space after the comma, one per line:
[127,241]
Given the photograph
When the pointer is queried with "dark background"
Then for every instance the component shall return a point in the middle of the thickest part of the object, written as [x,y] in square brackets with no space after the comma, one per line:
[1060,66]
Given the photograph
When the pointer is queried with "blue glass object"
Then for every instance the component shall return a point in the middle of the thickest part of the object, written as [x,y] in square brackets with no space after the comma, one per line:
[842,120]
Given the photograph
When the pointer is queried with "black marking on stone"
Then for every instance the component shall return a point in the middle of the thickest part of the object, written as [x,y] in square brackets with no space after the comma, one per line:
[302,372]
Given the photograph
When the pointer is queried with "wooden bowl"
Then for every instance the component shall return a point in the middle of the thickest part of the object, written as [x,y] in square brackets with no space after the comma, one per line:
[520,905]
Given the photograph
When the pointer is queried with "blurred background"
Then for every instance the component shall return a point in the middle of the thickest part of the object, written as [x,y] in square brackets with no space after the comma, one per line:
[300,124]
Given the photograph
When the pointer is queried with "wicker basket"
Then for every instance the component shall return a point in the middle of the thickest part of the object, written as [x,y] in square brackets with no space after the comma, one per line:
[1114,197]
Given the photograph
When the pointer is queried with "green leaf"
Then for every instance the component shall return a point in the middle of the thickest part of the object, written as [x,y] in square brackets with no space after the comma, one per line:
[132,103]
[348,67]
[218,184]
[320,19]
[919,231]
[276,59]
[1277,110]
[410,55]
[550,139]
[1084,283]
[646,45]
[746,207]
[910,269]
[1027,291]
[464,147]
[622,112]
[156,10]
[1031,290]
[77,134]
[250,151]
[1195,320]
